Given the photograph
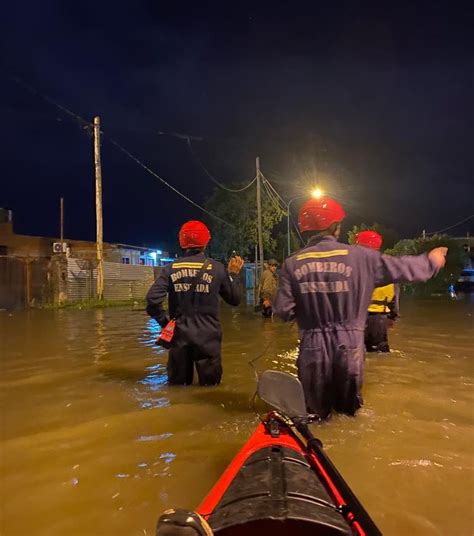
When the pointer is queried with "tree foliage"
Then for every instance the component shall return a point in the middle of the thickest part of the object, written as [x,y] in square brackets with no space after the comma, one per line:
[240,210]
[390,236]
[454,260]
[281,248]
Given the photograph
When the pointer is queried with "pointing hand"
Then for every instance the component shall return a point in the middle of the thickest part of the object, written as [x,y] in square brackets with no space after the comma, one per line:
[438,257]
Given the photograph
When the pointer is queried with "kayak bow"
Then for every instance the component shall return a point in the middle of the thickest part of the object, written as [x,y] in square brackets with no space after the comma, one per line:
[280,484]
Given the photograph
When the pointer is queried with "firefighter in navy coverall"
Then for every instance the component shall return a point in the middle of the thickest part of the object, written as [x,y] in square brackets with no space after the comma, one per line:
[197,337]
[383,306]
[327,287]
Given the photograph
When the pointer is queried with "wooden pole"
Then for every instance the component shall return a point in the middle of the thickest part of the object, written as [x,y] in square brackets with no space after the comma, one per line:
[259,218]
[61,219]
[255,278]
[98,209]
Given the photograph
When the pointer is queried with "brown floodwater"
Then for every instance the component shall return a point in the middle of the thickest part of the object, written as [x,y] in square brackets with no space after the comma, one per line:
[94,442]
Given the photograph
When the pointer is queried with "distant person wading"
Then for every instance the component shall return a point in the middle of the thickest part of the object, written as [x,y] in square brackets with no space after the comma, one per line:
[268,287]
[384,305]
[193,284]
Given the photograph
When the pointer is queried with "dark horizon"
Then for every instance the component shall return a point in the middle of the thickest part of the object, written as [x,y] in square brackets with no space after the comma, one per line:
[376,104]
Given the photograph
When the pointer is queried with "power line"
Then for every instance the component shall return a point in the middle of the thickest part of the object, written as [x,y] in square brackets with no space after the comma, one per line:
[88,124]
[288,211]
[272,198]
[295,225]
[35,92]
[201,165]
[283,202]
[272,193]
[452,226]
[145,167]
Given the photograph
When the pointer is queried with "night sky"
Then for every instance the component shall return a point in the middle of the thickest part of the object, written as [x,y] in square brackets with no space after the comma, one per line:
[375,103]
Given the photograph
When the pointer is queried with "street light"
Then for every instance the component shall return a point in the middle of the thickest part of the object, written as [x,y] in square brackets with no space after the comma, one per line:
[317,193]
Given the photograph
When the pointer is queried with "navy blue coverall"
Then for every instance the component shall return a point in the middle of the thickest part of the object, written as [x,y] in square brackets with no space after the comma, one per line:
[327,288]
[198,334]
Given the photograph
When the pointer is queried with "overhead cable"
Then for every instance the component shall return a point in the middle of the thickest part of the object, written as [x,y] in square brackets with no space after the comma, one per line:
[146,168]
[283,202]
[287,210]
[451,226]
[83,122]
[214,180]
[34,91]
[272,197]
[272,193]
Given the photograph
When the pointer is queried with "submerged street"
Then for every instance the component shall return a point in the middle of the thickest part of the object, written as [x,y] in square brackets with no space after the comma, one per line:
[94,442]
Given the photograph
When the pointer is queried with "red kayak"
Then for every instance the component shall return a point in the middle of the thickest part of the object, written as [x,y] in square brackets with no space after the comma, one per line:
[280,483]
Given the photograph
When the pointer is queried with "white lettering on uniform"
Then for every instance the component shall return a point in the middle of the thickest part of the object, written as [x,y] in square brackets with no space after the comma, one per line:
[312,287]
[184,287]
[207,278]
[203,288]
[323,267]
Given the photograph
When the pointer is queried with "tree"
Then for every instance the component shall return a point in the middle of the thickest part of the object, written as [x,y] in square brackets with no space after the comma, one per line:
[390,236]
[454,260]
[281,249]
[240,210]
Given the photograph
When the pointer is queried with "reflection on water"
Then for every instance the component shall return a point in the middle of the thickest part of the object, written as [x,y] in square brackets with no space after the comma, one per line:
[100,444]
[100,347]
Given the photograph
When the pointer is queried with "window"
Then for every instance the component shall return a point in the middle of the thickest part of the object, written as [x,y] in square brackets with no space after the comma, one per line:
[125,260]
[141,261]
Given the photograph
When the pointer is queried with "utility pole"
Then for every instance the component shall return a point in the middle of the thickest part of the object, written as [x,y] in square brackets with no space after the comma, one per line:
[61,220]
[98,209]
[259,216]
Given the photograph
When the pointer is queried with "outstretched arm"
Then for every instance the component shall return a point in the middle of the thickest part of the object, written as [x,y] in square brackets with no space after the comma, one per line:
[409,268]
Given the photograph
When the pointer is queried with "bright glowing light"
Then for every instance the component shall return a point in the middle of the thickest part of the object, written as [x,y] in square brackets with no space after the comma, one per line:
[153,255]
[159,252]
[317,193]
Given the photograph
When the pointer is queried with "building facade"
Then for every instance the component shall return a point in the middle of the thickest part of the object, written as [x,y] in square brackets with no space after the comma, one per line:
[37,247]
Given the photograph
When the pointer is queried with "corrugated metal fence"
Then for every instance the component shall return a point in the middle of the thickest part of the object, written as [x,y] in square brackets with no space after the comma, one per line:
[24,282]
[121,281]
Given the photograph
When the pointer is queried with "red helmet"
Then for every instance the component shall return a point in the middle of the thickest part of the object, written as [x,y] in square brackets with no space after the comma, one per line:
[194,234]
[369,239]
[320,214]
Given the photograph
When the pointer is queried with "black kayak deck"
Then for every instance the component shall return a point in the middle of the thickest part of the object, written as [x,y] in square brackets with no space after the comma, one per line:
[277,492]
